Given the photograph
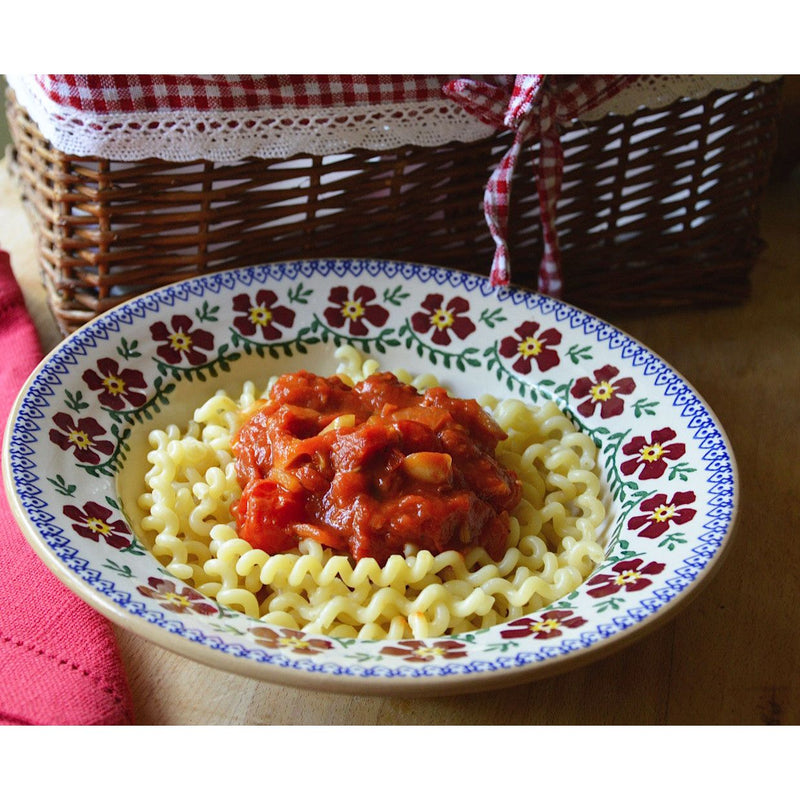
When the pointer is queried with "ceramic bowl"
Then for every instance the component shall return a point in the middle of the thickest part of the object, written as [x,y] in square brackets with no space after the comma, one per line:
[669,474]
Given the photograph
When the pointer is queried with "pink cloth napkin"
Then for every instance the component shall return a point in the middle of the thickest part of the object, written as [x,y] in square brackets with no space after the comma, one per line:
[59,661]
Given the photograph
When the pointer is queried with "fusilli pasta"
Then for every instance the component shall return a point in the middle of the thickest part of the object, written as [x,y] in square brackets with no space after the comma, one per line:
[553,543]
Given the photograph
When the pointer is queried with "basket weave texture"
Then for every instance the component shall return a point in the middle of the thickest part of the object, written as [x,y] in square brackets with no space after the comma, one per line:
[657,209]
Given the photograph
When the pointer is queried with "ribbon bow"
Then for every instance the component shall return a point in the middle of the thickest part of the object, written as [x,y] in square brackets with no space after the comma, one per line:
[535,107]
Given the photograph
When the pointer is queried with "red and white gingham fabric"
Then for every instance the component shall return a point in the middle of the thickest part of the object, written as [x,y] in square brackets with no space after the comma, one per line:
[119,94]
[535,107]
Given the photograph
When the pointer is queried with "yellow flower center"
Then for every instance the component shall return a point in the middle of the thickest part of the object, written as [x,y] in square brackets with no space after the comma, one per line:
[602,391]
[530,347]
[260,315]
[545,626]
[114,384]
[425,652]
[651,452]
[173,597]
[80,439]
[352,309]
[628,576]
[441,319]
[98,526]
[180,341]
[663,513]
[293,641]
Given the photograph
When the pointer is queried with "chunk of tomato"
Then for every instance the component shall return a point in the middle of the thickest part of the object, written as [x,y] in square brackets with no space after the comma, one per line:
[265,515]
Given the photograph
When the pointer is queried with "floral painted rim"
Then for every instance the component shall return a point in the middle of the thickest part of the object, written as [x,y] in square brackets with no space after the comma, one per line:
[671,474]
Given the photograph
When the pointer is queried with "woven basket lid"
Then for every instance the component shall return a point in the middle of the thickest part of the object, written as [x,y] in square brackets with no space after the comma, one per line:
[226,118]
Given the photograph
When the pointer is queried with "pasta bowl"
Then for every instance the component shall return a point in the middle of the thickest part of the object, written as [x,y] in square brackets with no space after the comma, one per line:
[80,444]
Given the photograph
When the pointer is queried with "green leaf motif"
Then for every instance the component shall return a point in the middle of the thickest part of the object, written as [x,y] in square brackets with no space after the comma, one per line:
[577,354]
[681,471]
[362,657]
[501,647]
[134,548]
[395,296]
[492,318]
[201,371]
[75,402]
[121,569]
[671,540]
[299,294]
[62,487]
[128,350]
[207,313]
[468,357]
[226,628]
[645,407]
[610,604]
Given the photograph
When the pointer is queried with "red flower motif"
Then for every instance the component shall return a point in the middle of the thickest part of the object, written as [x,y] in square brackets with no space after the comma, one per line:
[94,522]
[181,602]
[263,315]
[296,641]
[531,346]
[546,626]
[116,386]
[83,437]
[419,652]
[602,392]
[444,320]
[661,514]
[181,341]
[355,311]
[630,576]
[652,456]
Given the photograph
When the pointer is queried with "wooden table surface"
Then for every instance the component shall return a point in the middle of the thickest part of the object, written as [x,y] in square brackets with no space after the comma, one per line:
[731,657]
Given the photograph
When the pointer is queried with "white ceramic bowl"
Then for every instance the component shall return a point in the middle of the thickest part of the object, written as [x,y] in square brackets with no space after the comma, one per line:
[669,472]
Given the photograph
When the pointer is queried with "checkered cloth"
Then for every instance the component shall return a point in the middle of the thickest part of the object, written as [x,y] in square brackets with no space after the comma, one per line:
[535,107]
[121,94]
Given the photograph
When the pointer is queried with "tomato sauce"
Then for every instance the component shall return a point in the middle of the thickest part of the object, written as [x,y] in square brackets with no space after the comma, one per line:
[368,469]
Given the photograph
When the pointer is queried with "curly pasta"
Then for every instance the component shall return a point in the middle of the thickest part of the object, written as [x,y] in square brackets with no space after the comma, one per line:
[553,543]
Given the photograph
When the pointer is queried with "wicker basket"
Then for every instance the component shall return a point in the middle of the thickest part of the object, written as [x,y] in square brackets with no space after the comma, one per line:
[657,209]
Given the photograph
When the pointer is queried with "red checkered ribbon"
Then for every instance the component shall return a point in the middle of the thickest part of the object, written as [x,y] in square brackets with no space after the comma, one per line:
[536,106]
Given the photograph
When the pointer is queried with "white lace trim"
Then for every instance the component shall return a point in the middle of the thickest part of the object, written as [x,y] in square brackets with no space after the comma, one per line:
[226,137]
[657,91]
